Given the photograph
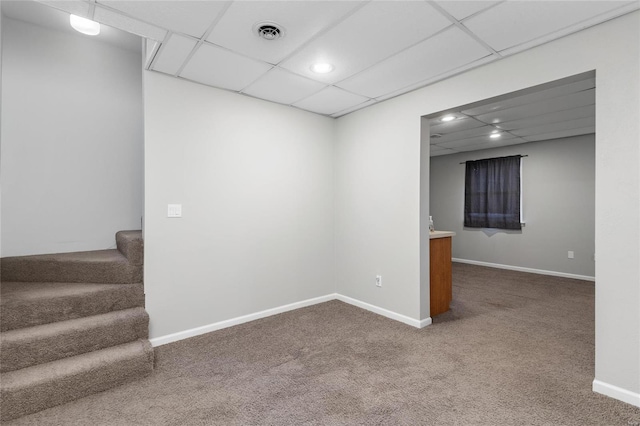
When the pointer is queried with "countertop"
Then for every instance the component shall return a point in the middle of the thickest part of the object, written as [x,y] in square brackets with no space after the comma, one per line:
[440,234]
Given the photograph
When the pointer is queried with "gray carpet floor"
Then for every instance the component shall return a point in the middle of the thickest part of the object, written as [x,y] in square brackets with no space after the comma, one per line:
[515,349]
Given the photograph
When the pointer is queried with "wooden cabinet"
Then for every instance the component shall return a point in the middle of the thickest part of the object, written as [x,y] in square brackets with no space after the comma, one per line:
[440,274]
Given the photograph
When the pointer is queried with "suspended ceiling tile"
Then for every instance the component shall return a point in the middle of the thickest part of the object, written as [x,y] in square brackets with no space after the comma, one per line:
[371,34]
[588,111]
[536,96]
[561,134]
[117,20]
[187,17]
[464,134]
[330,100]
[514,22]
[221,68]
[457,125]
[283,87]
[561,103]
[459,143]
[354,108]
[490,145]
[300,20]
[73,7]
[598,19]
[463,9]
[439,54]
[438,77]
[173,54]
[556,127]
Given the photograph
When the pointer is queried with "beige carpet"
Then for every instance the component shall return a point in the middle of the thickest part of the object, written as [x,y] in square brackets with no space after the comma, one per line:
[516,349]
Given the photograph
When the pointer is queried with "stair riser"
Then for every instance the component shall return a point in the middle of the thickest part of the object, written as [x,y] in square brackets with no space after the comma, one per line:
[70,272]
[19,398]
[130,244]
[27,347]
[73,324]
[28,314]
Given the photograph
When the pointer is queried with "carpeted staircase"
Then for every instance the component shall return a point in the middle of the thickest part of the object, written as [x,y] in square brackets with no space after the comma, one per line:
[71,325]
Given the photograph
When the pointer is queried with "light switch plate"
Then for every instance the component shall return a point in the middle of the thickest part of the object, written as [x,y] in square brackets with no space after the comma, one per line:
[174,210]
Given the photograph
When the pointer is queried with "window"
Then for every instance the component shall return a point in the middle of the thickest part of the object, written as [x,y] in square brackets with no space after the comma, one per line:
[492,193]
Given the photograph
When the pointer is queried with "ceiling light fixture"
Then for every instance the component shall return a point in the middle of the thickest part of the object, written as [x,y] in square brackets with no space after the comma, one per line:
[495,134]
[321,68]
[448,118]
[84,26]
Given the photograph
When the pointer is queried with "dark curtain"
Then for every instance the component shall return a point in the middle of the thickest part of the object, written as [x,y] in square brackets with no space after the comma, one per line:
[492,193]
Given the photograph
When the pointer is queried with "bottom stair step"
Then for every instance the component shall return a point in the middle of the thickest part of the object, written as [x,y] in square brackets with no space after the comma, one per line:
[25,347]
[43,386]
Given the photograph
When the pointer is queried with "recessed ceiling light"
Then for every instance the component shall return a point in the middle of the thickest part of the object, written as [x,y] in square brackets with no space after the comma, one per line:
[495,134]
[322,68]
[84,26]
[448,118]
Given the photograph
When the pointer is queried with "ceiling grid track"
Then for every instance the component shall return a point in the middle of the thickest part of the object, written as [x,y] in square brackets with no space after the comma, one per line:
[380,50]
[202,39]
[462,27]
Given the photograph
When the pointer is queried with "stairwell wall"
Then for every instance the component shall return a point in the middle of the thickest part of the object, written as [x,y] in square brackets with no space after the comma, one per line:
[71,141]
[255,180]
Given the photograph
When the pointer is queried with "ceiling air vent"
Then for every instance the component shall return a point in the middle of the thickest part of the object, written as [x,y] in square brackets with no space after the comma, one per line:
[268,30]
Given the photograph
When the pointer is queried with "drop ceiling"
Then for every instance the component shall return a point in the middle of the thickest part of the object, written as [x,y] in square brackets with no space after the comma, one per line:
[379,49]
[554,110]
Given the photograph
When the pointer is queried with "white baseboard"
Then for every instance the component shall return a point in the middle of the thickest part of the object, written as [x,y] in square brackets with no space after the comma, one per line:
[616,392]
[174,337]
[425,322]
[384,312]
[523,269]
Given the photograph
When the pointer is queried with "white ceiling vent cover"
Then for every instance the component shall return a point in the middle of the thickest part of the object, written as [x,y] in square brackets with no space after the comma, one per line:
[268,30]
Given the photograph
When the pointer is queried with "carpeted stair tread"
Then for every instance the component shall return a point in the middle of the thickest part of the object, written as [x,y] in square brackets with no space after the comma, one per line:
[26,347]
[100,266]
[42,386]
[130,244]
[29,304]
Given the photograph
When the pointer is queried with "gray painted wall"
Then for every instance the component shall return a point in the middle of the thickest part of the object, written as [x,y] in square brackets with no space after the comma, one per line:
[558,188]
[255,180]
[72,141]
[1,19]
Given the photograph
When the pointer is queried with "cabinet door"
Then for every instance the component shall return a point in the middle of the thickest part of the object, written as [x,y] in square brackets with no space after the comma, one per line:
[440,275]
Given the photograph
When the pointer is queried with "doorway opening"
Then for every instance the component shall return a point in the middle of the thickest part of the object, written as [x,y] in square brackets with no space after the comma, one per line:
[553,126]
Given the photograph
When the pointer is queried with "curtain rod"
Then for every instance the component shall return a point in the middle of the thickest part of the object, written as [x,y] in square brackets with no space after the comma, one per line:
[519,155]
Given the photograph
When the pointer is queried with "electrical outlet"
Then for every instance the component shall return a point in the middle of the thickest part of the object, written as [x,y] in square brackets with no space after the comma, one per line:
[378,280]
[570,254]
